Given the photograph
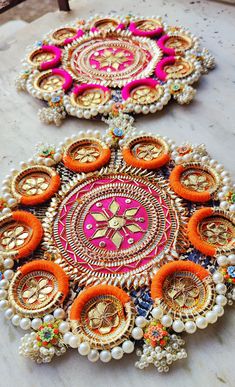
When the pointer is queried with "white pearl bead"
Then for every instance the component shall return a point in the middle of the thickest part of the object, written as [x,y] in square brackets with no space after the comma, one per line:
[201,322]
[232,208]
[48,319]
[64,327]
[117,353]
[105,356]
[4,304]
[211,317]
[137,333]
[219,310]
[231,259]
[178,326]
[36,323]
[166,320]
[3,294]
[221,300]
[4,284]
[221,288]
[25,324]
[59,313]
[157,313]
[93,356]
[9,313]
[8,263]
[140,321]
[8,274]
[128,346]
[218,277]
[224,205]
[16,320]
[190,327]
[57,157]
[74,341]
[222,260]
[66,337]
[84,349]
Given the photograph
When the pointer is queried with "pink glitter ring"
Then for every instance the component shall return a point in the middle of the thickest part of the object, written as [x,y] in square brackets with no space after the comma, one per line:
[159,71]
[67,78]
[133,27]
[77,36]
[161,44]
[149,82]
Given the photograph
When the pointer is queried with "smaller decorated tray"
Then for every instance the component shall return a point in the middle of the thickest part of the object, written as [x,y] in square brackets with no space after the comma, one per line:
[134,64]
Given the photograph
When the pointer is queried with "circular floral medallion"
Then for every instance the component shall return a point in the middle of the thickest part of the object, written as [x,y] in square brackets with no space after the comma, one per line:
[183,290]
[37,288]
[180,69]
[103,316]
[195,182]
[146,152]
[175,44]
[35,185]
[112,226]
[212,231]
[20,234]
[112,61]
[86,155]
[143,92]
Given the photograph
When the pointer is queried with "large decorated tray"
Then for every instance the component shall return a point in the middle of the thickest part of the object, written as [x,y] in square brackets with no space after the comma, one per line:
[134,64]
[114,243]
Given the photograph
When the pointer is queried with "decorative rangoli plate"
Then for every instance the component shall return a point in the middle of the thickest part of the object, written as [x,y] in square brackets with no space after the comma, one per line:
[116,242]
[133,64]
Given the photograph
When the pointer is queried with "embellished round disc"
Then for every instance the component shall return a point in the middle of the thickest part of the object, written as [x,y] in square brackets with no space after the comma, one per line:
[48,81]
[60,35]
[45,57]
[114,227]
[37,288]
[146,152]
[212,231]
[143,92]
[90,96]
[180,69]
[102,316]
[184,290]
[104,24]
[113,61]
[146,27]
[35,185]
[20,234]
[86,155]
[194,182]
[175,44]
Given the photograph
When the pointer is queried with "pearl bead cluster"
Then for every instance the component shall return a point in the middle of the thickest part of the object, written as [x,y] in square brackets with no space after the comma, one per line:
[224,261]
[81,134]
[88,112]
[160,357]
[52,115]
[52,159]
[201,322]
[186,95]
[124,123]
[208,61]
[29,344]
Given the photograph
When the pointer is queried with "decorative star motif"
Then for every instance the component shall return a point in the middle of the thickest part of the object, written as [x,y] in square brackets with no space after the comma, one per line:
[38,290]
[86,155]
[196,182]
[51,83]
[14,238]
[91,98]
[217,234]
[110,224]
[111,59]
[145,95]
[104,317]
[184,292]
[35,185]
[43,57]
[148,152]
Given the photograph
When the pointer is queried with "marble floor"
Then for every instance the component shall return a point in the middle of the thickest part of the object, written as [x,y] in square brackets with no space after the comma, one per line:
[209,119]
